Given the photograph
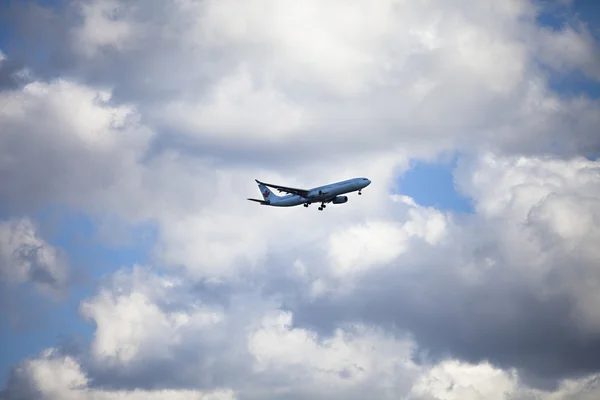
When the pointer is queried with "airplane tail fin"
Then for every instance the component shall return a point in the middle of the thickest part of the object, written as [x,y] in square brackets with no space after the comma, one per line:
[267,194]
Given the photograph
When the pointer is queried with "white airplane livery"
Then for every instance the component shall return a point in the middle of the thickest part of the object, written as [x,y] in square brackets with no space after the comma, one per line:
[331,193]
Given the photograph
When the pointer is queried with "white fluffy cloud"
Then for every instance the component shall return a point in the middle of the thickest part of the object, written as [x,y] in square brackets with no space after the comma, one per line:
[130,325]
[377,243]
[453,381]
[350,364]
[54,376]
[249,78]
[62,142]
[555,207]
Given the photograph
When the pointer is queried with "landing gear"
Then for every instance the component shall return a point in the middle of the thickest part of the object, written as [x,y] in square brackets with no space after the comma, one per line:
[322,207]
[359,192]
[305,204]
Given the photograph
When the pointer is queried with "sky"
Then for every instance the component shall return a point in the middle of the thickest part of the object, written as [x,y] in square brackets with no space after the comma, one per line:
[132,266]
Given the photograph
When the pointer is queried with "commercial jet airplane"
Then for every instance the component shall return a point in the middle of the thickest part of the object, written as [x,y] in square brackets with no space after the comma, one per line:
[323,194]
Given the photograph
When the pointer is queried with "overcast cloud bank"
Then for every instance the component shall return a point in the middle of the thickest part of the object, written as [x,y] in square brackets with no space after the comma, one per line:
[166,111]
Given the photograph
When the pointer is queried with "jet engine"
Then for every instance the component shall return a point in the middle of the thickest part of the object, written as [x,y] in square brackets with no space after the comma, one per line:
[339,199]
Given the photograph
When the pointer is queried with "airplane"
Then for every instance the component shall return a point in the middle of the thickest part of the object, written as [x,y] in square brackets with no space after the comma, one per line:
[323,194]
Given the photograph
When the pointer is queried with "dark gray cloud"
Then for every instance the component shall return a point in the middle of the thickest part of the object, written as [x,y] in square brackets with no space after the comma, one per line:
[26,258]
[12,74]
[500,321]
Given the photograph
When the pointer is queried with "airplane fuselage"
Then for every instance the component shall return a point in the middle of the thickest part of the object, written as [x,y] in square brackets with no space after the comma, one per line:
[322,194]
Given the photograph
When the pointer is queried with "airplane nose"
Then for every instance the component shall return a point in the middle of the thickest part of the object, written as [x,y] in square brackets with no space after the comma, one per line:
[368,182]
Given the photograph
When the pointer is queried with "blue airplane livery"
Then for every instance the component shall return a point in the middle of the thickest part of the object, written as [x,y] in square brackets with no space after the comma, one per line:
[331,193]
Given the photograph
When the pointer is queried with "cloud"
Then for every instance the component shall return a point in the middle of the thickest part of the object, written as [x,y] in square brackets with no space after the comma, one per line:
[140,324]
[101,28]
[248,349]
[25,257]
[11,73]
[228,81]
[65,143]
[192,81]
[62,143]
[54,376]
[573,47]
[262,110]
[155,332]
[519,274]
[161,332]
[451,380]
[352,363]
[165,112]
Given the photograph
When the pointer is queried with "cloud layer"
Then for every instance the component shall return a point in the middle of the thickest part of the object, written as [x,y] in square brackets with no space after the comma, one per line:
[164,112]
[25,257]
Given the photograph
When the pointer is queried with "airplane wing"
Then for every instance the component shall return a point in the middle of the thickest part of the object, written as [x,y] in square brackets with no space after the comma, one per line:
[299,192]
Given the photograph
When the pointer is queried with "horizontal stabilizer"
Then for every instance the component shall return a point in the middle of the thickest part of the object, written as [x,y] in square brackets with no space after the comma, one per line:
[264,203]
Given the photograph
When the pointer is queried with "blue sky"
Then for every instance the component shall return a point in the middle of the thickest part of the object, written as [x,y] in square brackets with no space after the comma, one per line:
[432,184]
[429,183]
